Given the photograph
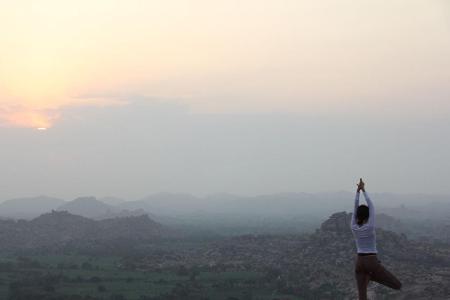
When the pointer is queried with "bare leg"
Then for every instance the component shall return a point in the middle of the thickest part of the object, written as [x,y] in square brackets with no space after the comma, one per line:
[362,280]
[379,274]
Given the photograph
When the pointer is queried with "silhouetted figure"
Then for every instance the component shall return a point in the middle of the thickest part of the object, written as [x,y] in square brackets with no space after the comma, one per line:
[367,266]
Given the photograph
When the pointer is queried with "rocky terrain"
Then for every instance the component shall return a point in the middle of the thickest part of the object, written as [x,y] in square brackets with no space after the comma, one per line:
[319,265]
[305,266]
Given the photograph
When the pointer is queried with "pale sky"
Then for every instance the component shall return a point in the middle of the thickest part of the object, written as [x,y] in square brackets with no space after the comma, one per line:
[223,96]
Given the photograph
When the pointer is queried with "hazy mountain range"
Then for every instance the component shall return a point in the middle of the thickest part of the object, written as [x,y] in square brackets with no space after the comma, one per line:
[175,205]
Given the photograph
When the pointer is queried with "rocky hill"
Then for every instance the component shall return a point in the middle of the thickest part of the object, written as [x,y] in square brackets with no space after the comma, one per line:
[60,230]
[88,207]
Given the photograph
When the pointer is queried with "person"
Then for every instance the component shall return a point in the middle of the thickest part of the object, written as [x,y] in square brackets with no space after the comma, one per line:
[367,266]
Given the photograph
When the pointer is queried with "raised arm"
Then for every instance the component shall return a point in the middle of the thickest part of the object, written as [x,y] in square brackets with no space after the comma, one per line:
[355,208]
[371,221]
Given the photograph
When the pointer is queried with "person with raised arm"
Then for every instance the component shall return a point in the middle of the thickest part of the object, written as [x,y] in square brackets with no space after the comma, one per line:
[368,267]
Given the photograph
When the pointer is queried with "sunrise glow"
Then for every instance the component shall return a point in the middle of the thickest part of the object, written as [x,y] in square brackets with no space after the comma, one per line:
[222,57]
[31,119]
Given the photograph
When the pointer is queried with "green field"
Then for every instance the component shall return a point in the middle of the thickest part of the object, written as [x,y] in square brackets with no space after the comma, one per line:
[82,277]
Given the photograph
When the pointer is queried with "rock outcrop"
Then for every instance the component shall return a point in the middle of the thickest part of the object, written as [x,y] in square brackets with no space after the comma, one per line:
[338,223]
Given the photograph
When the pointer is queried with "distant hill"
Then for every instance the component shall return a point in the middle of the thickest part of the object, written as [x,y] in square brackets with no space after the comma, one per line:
[27,208]
[167,204]
[112,200]
[61,230]
[96,209]
[123,213]
[273,204]
[88,207]
[318,204]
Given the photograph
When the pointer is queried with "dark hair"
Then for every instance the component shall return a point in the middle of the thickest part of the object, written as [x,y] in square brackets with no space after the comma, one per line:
[362,214]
